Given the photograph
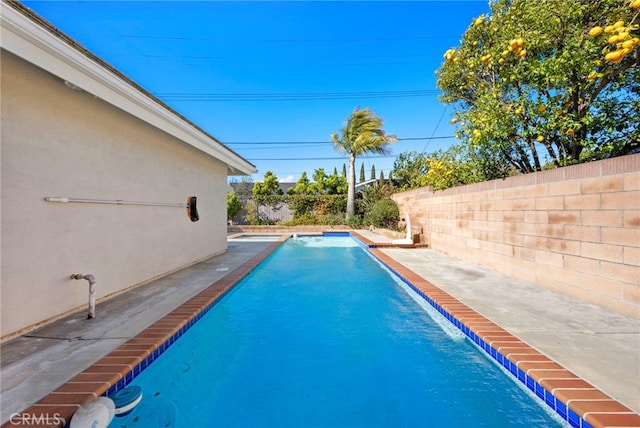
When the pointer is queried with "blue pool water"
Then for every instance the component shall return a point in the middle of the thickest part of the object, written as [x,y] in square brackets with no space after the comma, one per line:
[321,335]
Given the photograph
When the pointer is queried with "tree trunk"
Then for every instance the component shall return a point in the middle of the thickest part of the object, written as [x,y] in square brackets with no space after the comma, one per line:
[351,190]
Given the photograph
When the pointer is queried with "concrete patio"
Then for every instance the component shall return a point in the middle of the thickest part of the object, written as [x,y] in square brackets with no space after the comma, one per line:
[600,346]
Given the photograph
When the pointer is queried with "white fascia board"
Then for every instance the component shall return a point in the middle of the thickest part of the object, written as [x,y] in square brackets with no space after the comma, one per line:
[35,44]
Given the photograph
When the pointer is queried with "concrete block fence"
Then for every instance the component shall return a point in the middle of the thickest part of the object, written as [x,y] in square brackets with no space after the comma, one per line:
[575,230]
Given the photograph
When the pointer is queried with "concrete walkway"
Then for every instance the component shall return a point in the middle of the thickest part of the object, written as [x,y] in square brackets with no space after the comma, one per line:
[598,345]
[36,364]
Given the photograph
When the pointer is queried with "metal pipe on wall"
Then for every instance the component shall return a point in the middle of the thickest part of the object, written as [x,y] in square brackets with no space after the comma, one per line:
[112,201]
[190,205]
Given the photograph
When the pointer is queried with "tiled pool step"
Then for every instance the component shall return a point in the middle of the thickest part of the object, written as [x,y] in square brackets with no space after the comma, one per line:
[386,244]
[580,403]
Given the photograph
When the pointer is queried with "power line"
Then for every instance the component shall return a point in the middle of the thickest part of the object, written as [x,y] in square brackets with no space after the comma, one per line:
[436,128]
[288,60]
[445,137]
[249,40]
[300,96]
[327,158]
[254,58]
[288,63]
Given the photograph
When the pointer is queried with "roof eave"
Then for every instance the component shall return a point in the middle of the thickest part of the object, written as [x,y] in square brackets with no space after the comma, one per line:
[31,38]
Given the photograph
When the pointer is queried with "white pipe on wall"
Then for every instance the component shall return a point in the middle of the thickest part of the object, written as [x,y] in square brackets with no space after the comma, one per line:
[111,201]
[92,292]
[192,210]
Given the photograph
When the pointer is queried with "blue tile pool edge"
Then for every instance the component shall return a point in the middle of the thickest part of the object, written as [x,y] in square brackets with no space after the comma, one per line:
[153,355]
[545,396]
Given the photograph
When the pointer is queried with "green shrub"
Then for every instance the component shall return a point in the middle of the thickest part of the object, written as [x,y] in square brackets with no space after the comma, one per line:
[234,205]
[355,221]
[301,204]
[317,204]
[315,220]
[383,213]
[253,216]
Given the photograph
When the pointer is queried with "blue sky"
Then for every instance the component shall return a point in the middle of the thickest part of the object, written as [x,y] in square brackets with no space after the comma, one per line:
[282,72]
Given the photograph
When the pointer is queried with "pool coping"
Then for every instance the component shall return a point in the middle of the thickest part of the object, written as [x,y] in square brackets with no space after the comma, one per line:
[575,400]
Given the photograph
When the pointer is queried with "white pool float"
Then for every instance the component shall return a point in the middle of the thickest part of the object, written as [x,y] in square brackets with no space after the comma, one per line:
[96,414]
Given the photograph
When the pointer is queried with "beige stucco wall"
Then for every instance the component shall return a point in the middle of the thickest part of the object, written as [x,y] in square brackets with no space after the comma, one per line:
[575,230]
[60,142]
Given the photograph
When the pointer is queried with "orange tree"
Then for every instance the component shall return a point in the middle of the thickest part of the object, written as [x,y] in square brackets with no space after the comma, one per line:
[546,82]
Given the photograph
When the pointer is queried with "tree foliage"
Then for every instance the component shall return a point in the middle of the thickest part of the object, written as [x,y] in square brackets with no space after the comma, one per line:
[268,186]
[302,187]
[408,168]
[361,133]
[319,181]
[546,81]
[243,187]
[234,205]
[334,184]
[450,168]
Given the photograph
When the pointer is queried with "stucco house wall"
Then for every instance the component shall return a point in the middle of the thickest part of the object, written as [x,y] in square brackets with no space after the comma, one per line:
[58,141]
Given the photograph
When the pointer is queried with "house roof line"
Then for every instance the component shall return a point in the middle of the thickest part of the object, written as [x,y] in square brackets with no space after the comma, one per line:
[34,39]
[364,184]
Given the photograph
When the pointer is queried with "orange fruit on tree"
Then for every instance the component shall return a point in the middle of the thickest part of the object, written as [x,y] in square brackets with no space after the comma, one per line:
[479,20]
[595,31]
[615,56]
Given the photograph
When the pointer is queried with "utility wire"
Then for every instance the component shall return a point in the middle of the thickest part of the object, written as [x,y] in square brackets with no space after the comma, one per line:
[291,40]
[254,58]
[301,96]
[327,158]
[436,129]
[329,142]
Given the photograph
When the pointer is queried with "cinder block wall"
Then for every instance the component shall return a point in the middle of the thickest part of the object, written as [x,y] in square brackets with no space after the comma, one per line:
[575,230]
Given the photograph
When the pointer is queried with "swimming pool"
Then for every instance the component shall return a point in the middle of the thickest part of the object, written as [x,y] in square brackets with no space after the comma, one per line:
[244,237]
[320,334]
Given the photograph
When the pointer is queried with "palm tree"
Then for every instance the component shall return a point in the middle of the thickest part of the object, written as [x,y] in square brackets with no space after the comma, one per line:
[362,133]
